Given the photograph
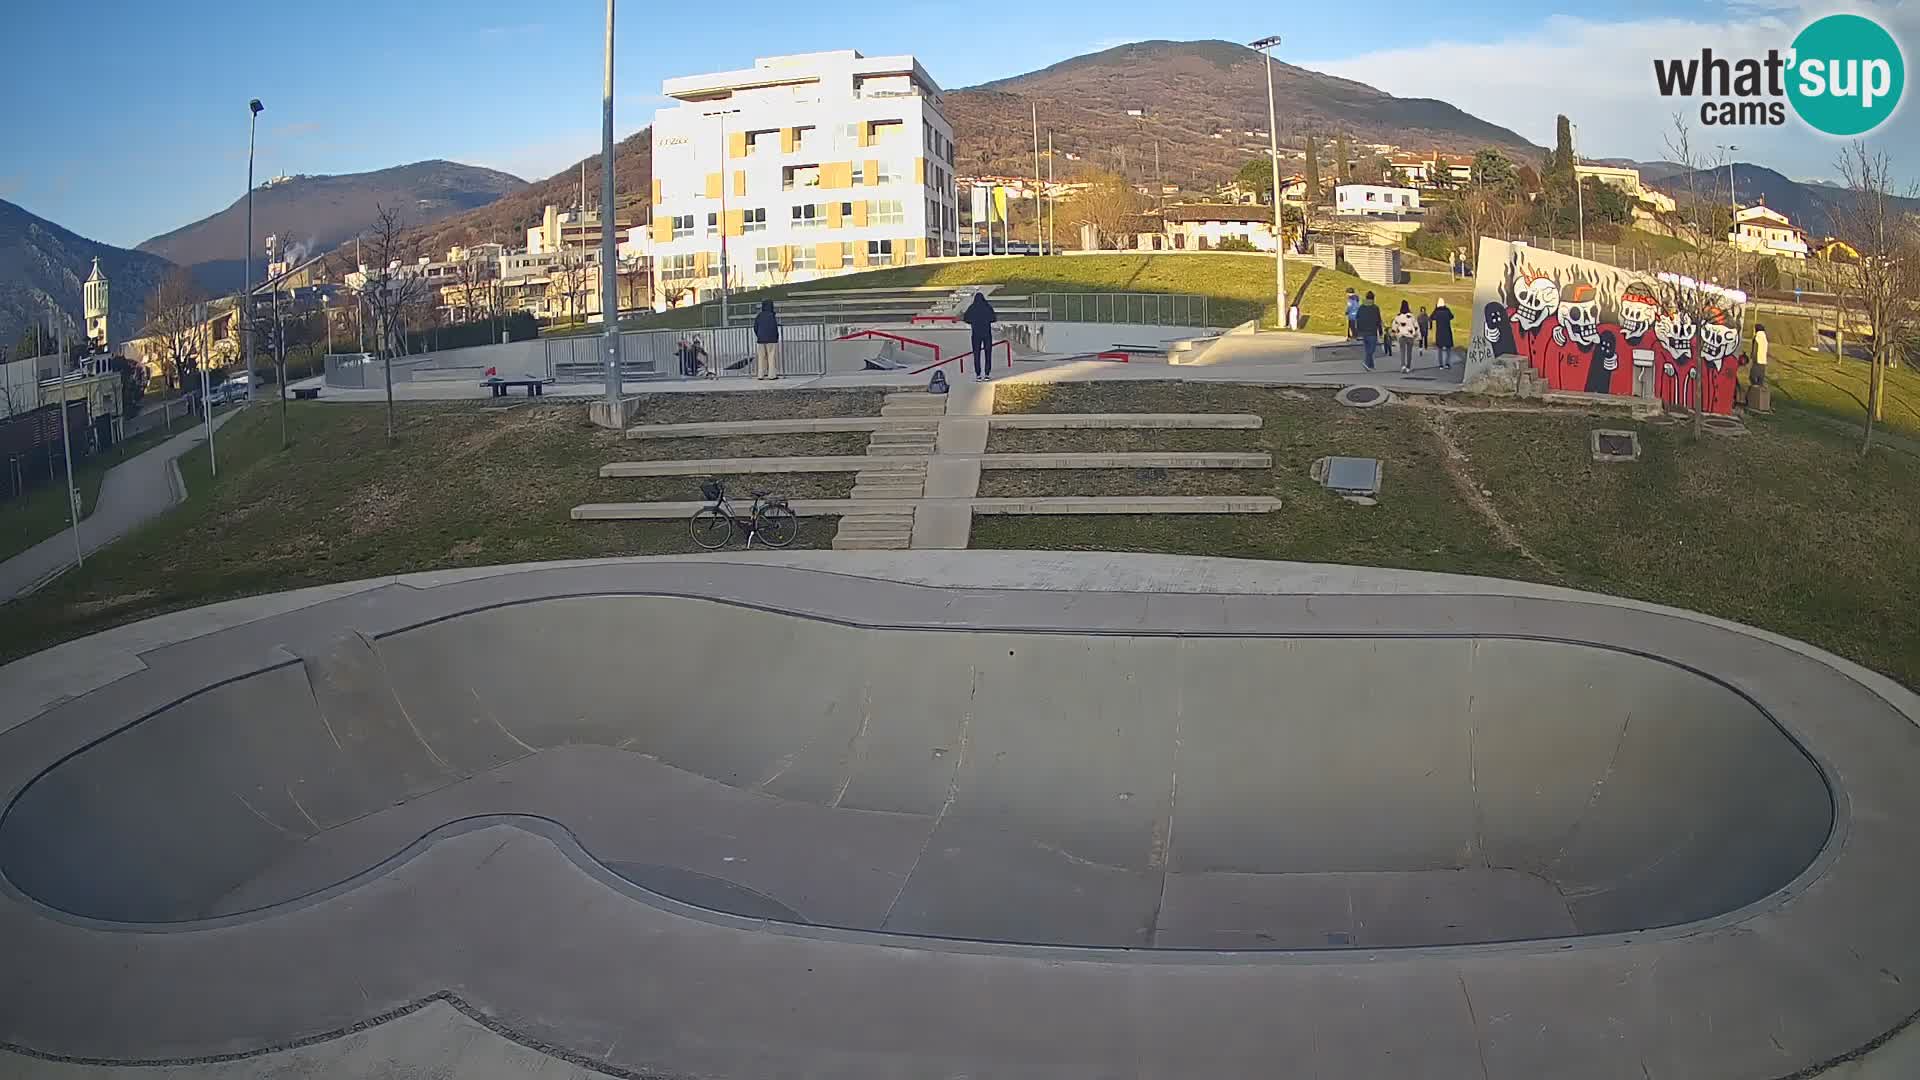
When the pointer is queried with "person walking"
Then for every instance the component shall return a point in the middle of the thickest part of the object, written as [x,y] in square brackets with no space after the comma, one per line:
[1757,375]
[766,335]
[1353,313]
[1367,327]
[1426,327]
[1443,331]
[1405,329]
[980,316]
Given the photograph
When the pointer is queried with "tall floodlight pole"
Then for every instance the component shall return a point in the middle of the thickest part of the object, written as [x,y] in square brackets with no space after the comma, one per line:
[609,244]
[1266,46]
[246,298]
[1579,189]
[726,285]
[66,443]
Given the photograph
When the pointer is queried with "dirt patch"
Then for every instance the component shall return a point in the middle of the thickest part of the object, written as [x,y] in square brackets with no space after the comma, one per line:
[374,510]
[1454,461]
[94,607]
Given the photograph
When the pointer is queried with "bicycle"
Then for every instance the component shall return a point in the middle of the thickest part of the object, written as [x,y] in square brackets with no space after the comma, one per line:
[771,520]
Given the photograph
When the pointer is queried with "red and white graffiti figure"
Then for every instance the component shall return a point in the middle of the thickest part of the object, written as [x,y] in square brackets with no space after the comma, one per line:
[1719,368]
[1536,301]
[1674,329]
[1576,331]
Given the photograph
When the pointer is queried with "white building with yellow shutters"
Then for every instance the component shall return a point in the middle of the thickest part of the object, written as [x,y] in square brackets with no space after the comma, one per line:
[804,167]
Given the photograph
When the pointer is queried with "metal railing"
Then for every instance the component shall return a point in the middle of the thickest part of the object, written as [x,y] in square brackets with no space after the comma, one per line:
[1142,309]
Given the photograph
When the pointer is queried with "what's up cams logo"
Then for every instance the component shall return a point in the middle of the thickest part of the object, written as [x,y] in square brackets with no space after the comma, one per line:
[1843,75]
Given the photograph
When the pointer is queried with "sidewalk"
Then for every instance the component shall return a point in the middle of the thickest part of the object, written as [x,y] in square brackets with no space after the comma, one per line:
[131,494]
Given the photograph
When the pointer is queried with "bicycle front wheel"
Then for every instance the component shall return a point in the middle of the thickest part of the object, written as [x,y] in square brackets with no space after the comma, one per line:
[779,525]
[711,529]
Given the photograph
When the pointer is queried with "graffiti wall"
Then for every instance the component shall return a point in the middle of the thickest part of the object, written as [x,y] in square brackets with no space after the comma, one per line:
[1550,322]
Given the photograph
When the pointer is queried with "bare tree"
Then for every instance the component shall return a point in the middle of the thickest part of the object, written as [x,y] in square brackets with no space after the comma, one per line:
[1884,284]
[171,323]
[1109,203]
[1693,290]
[392,287]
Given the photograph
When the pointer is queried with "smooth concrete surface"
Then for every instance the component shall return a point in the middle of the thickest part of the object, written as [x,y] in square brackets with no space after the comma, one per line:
[1111,745]
[938,481]
[131,494]
[1144,459]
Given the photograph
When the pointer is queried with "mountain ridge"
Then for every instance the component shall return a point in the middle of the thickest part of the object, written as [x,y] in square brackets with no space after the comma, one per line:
[41,260]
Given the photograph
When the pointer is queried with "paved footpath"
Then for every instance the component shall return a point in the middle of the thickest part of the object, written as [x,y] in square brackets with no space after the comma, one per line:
[132,493]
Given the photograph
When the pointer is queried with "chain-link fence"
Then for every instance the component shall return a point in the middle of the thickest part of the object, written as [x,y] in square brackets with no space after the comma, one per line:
[1140,309]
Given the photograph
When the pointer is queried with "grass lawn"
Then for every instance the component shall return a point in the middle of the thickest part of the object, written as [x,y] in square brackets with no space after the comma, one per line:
[1238,287]
[1822,382]
[466,486]
[42,512]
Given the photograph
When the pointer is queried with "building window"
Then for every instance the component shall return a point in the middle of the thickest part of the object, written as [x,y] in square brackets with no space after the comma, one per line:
[754,220]
[859,174]
[879,253]
[682,226]
[886,212]
[809,216]
[846,212]
[766,260]
[713,224]
[888,129]
[850,133]
[676,267]
[799,176]
[803,258]
[886,175]
[805,138]
[759,142]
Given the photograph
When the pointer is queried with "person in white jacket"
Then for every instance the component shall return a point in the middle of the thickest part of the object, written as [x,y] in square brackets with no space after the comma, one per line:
[1406,331]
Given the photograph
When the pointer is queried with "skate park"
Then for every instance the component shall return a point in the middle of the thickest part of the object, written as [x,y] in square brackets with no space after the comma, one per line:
[851,813]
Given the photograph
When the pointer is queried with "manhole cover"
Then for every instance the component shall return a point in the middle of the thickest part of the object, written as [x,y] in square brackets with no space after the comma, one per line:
[1348,475]
[1614,445]
[1363,397]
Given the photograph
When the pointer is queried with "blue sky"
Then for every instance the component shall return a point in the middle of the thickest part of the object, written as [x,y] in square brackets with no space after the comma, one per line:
[151,132]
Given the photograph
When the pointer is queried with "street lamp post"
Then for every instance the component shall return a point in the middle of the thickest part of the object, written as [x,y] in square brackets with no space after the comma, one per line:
[1266,46]
[725,285]
[66,441]
[246,298]
[1733,212]
[609,244]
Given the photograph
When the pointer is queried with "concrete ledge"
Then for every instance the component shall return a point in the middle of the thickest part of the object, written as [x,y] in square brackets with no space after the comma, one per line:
[1146,504]
[862,462]
[1237,421]
[1128,460]
[789,426]
[668,511]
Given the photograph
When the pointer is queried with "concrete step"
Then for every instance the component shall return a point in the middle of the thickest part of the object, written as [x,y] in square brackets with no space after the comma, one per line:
[912,410]
[889,518]
[864,491]
[905,450]
[872,543]
[906,434]
[883,475]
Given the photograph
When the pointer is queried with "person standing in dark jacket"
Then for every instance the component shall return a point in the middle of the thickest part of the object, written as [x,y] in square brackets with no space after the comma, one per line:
[981,317]
[1443,332]
[1367,326]
[766,334]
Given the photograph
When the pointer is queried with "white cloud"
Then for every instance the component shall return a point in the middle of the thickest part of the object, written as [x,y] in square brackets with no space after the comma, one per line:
[1601,75]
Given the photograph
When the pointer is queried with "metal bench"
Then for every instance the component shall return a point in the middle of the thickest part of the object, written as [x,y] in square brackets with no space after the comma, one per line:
[306,393]
[535,384]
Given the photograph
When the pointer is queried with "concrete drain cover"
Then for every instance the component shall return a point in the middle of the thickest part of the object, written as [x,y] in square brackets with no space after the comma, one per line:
[1614,445]
[1354,478]
[1363,397]
[1723,425]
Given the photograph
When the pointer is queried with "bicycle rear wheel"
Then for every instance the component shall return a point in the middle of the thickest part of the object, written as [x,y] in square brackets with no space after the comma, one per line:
[779,525]
[711,528]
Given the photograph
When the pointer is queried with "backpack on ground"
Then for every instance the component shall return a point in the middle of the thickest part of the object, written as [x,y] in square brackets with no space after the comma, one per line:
[937,384]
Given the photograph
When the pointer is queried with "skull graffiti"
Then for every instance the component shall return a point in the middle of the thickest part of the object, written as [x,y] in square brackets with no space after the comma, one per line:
[1536,297]
[1675,329]
[1580,315]
[1637,312]
[1717,342]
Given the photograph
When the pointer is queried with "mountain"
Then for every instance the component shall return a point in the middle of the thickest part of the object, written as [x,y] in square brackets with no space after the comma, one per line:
[39,259]
[1190,92]
[321,212]
[1809,205]
[506,220]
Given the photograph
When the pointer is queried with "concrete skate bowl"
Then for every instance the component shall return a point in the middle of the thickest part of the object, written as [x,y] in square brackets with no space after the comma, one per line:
[1137,790]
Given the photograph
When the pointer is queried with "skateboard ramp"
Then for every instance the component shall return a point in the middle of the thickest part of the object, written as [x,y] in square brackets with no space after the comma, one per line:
[1108,790]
